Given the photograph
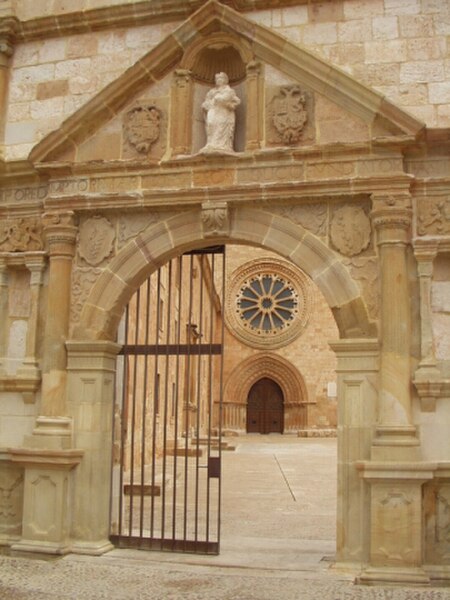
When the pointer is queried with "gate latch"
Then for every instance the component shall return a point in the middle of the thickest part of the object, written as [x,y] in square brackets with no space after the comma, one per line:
[214,467]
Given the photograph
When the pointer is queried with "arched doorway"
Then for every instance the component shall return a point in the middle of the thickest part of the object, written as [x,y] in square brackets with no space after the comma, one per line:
[265,411]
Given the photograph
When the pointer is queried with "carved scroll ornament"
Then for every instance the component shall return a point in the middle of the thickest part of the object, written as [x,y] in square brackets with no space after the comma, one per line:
[20,235]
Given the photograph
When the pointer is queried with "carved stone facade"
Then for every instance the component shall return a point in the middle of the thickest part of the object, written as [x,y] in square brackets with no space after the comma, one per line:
[339,175]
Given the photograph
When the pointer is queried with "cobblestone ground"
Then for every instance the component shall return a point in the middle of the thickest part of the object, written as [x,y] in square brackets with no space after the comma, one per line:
[277,543]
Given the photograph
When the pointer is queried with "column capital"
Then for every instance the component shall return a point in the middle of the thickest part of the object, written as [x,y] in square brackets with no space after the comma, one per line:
[392,217]
[253,68]
[8,28]
[425,253]
[60,233]
[182,77]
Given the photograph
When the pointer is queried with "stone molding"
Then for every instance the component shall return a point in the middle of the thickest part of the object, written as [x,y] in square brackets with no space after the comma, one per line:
[267,364]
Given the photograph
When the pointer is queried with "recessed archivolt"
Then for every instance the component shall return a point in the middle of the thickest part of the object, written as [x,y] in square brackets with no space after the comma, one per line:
[162,241]
[275,367]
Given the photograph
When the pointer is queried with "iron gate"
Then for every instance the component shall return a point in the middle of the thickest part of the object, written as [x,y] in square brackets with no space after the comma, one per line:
[167,417]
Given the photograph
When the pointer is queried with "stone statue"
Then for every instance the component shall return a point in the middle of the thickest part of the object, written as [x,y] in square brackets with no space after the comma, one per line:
[220,105]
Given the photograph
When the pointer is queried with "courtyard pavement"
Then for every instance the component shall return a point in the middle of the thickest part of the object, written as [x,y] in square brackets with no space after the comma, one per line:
[278,542]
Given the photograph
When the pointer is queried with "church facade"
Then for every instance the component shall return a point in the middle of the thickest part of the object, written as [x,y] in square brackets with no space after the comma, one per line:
[332,202]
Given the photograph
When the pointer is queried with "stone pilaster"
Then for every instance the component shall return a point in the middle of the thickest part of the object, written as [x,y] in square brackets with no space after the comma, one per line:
[254,126]
[427,376]
[60,234]
[395,434]
[3,312]
[35,263]
[181,112]
[7,33]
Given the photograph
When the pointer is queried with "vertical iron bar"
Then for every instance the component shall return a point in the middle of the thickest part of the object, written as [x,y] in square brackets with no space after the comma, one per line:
[177,375]
[188,383]
[210,392]
[123,423]
[166,390]
[155,403]
[197,424]
[133,412]
[222,334]
[144,407]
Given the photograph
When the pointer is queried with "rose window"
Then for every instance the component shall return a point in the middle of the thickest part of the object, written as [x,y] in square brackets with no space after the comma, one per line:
[268,303]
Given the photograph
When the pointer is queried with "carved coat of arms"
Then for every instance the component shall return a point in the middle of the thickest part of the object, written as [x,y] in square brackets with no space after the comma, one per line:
[288,113]
[96,239]
[142,126]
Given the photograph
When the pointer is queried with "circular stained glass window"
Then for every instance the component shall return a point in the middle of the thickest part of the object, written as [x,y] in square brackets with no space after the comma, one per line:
[268,303]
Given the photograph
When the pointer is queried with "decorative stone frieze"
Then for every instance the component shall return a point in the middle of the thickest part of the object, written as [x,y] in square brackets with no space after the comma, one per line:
[350,230]
[21,235]
[96,240]
[311,216]
[141,126]
[268,303]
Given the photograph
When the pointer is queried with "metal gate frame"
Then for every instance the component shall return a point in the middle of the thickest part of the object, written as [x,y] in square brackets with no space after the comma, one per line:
[147,512]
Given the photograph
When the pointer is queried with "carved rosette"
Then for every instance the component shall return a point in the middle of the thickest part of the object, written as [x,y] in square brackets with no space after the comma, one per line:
[288,113]
[215,219]
[268,303]
[96,240]
[142,126]
[350,230]
[21,235]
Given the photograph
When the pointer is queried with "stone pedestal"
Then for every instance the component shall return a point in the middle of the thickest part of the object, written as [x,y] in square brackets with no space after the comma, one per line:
[396,537]
[47,493]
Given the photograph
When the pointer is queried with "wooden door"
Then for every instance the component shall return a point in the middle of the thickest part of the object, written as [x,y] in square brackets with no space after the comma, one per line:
[265,407]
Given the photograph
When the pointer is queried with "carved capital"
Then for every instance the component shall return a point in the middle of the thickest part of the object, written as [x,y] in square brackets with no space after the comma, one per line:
[3,272]
[215,219]
[253,68]
[36,265]
[60,233]
[8,29]
[425,255]
[393,224]
[182,77]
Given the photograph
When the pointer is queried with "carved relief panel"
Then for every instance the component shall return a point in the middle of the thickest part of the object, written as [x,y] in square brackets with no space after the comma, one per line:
[437,522]
[289,116]
[11,500]
[20,235]
[433,216]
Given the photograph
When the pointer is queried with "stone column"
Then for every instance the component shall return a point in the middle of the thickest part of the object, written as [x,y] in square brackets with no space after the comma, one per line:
[53,428]
[395,434]
[254,109]
[3,312]
[427,376]
[181,112]
[35,263]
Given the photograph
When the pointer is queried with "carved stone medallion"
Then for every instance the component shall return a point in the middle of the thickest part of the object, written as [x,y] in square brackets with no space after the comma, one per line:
[268,303]
[20,235]
[288,113]
[96,240]
[142,126]
[350,230]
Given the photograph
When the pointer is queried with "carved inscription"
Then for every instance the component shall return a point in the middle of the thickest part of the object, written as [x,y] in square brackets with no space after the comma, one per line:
[434,216]
[67,187]
[24,194]
[20,235]
[96,240]
[142,126]
[288,113]
[350,230]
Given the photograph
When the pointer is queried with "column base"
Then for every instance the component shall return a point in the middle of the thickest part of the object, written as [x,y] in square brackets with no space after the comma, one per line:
[92,548]
[393,576]
[438,573]
[41,547]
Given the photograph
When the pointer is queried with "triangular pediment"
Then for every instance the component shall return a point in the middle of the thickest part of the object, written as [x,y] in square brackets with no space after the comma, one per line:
[296,63]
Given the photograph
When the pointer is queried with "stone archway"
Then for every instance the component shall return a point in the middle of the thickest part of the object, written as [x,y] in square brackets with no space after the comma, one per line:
[91,353]
[251,370]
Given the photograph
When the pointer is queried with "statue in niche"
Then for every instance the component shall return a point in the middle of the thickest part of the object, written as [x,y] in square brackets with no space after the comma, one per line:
[220,105]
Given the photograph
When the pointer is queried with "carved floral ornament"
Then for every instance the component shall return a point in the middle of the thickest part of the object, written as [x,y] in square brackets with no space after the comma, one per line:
[96,240]
[215,218]
[142,126]
[350,230]
[268,303]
